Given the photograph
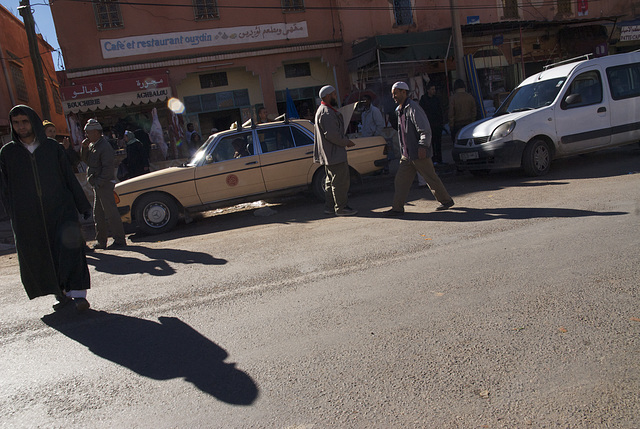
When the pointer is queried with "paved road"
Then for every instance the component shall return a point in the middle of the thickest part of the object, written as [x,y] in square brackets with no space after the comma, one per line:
[520,308]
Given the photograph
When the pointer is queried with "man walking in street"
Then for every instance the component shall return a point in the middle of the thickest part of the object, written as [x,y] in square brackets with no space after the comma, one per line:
[99,156]
[330,149]
[43,199]
[414,134]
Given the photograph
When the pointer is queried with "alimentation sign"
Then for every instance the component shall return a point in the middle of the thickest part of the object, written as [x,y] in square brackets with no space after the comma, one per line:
[166,42]
[629,33]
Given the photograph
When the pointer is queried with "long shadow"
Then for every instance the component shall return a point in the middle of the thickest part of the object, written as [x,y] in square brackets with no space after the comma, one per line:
[161,351]
[120,264]
[465,214]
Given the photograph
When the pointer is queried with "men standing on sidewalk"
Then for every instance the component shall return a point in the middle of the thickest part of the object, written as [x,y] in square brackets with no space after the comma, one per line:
[99,156]
[330,149]
[414,134]
[43,199]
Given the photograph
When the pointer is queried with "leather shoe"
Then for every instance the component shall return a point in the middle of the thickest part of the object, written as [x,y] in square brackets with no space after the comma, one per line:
[63,300]
[100,246]
[393,213]
[445,206]
[82,304]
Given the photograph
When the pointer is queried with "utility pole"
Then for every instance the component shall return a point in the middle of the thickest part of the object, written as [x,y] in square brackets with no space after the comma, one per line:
[34,52]
[458,50]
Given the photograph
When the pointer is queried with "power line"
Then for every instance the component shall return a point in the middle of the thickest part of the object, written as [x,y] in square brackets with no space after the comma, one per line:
[538,3]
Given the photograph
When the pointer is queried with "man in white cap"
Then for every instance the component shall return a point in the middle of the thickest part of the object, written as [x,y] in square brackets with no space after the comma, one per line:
[99,156]
[330,149]
[414,133]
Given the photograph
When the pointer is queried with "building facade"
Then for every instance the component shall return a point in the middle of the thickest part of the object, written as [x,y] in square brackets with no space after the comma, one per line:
[224,60]
[18,80]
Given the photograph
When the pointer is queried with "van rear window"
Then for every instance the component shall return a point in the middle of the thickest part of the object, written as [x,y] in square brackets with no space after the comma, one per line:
[624,81]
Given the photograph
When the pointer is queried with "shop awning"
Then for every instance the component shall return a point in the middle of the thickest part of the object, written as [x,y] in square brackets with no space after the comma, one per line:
[402,48]
[109,93]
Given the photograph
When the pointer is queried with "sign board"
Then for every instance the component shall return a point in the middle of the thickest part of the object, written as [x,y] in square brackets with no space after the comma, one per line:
[208,38]
[473,19]
[629,33]
[497,40]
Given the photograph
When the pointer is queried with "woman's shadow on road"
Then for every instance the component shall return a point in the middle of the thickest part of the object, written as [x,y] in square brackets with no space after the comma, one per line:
[161,351]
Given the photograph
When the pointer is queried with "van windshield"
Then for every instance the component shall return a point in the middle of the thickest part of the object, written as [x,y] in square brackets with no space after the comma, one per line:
[532,96]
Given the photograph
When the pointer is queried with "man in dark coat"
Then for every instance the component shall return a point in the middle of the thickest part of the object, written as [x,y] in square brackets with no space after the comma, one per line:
[136,162]
[43,198]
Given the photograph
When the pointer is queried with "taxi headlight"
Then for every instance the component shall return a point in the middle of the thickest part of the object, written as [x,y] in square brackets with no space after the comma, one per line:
[502,130]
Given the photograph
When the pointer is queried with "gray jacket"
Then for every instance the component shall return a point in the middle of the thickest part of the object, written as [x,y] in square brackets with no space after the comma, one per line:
[329,145]
[413,129]
[100,158]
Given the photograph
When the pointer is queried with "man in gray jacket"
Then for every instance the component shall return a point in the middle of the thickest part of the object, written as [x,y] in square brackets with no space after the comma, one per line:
[99,156]
[330,149]
[414,133]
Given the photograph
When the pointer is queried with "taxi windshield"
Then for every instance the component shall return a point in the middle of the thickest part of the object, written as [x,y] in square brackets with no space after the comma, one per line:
[532,96]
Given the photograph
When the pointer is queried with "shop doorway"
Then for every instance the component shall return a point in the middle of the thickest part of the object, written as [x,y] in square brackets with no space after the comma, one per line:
[221,120]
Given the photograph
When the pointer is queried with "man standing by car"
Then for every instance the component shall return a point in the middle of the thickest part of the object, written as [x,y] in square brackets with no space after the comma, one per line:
[462,108]
[414,134]
[330,149]
[98,154]
[371,118]
[432,106]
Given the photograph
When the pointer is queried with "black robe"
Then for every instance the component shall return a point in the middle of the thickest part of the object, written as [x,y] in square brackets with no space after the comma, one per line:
[43,199]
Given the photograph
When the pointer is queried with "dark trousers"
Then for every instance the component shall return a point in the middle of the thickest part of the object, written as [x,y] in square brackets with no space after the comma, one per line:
[436,143]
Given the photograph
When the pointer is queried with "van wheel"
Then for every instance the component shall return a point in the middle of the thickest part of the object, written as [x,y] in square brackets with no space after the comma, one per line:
[156,213]
[317,184]
[536,158]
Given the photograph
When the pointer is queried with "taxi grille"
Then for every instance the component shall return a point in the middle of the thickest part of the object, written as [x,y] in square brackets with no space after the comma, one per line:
[472,141]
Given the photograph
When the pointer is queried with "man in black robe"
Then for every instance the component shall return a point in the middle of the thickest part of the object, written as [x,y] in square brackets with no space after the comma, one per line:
[43,199]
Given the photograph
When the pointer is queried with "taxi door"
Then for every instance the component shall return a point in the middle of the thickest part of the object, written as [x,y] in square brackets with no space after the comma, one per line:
[229,170]
[287,156]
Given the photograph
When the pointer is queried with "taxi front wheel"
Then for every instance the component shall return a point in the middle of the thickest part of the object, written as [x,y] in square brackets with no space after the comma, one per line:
[156,213]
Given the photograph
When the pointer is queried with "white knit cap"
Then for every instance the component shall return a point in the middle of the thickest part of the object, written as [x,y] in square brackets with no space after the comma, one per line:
[400,85]
[93,124]
[326,90]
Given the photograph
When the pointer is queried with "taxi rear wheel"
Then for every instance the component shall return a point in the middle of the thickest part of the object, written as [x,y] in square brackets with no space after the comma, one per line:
[317,184]
[156,213]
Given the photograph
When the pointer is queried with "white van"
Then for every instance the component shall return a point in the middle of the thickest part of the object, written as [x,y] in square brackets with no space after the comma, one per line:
[573,107]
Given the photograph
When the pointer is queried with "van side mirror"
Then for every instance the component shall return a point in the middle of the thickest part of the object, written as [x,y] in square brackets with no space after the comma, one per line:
[208,159]
[573,99]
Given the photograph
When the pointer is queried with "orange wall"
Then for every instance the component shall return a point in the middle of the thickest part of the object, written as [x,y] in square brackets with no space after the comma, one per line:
[79,37]
[13,39]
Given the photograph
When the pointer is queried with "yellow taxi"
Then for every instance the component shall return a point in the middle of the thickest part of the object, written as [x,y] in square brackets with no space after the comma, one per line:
[236,166]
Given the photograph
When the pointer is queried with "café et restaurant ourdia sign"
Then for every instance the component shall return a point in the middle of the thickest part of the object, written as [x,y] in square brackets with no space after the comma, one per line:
[208,38]
[109,93]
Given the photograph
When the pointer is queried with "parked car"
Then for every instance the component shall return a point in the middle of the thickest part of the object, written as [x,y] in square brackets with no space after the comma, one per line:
[569,108]
[236,166]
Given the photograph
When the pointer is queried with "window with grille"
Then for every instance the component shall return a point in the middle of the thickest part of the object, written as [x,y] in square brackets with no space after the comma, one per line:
[292,5]
[56,99]
[205,9]
[297,70]
[107,14]
[212,80]
[18,82]
[403,12]
[510,9]
[564,6]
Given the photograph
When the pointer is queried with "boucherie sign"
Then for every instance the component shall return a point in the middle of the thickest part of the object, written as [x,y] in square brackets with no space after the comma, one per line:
[208,38]
[107,93]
